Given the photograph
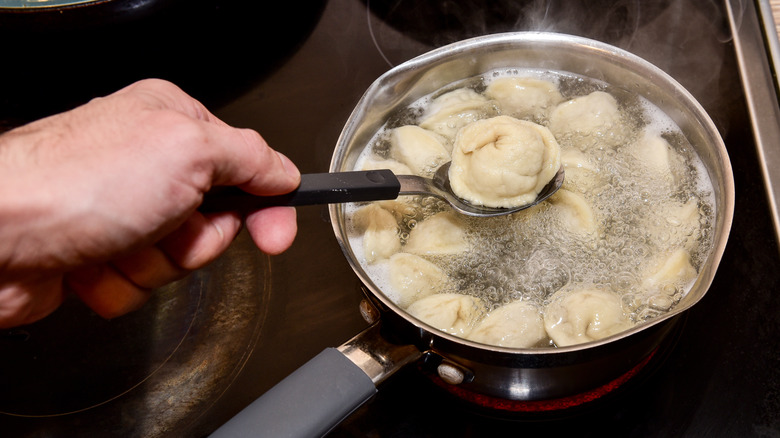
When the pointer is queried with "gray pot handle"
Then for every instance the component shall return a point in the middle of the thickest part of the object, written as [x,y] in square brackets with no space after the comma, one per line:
[307,403]
[324,391]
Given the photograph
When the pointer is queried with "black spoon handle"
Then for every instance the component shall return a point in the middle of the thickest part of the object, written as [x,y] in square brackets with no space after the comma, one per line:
[315,188]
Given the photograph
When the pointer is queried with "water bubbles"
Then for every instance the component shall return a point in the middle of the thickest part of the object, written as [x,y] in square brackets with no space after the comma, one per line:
[532,254]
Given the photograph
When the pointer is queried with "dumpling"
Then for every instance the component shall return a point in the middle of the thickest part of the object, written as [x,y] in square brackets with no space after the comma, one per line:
[413,278]
[380,230]
[574,212]
[402,207]
[420,149]
[654,154]
[451,111]
[673,269]
[516,325]
[449,312]
[581,174]
[395,166]
[589,121]
[584,315]
[503,161]
[442,233]
[526,98]
[675,224]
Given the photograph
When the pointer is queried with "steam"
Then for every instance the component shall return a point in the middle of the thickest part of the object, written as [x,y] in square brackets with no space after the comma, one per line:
[686,39]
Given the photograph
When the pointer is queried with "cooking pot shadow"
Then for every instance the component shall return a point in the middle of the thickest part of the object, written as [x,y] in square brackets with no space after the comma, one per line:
[58,57]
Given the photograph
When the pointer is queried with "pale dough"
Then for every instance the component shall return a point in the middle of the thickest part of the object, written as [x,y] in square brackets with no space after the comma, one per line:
[584,315]
[516,325]
[449,312]
[503,161]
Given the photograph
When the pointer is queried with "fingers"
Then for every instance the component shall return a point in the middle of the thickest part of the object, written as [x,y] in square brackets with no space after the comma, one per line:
[273,229]
[243,158]
[236,156]
[105,290]
[26,302]
[201,239]
[125,284]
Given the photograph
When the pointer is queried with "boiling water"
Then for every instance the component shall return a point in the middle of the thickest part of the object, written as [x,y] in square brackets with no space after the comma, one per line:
[531,254]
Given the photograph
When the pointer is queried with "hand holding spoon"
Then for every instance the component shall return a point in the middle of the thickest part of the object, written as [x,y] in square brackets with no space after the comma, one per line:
[359,186]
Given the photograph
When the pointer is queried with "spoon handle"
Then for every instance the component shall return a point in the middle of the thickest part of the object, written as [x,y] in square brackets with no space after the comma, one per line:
[315,188]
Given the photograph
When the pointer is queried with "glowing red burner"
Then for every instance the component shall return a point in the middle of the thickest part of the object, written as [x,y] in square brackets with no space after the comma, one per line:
[557,404]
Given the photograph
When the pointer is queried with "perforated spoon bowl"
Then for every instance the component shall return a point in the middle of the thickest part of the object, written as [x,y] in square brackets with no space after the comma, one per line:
[359,186]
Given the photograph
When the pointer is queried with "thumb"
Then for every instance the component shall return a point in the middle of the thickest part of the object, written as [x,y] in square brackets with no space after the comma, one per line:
[243,158]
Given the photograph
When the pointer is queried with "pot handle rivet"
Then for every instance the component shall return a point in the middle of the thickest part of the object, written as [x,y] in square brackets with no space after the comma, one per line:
[450,374]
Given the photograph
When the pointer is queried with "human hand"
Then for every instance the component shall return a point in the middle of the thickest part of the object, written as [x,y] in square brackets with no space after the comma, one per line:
[101,200]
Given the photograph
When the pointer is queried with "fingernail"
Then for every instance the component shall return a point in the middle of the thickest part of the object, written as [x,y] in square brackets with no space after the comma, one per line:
[289,166]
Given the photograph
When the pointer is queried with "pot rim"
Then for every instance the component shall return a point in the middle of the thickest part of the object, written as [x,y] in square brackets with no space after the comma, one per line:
[614,55]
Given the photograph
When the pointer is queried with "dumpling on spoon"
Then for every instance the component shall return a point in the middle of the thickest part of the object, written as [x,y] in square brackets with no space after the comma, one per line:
[503,162]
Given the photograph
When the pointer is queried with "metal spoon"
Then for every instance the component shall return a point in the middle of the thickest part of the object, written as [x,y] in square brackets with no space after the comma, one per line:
[359,186]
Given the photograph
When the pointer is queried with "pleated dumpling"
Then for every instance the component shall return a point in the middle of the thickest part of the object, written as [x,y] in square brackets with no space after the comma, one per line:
[574,212]
[421,150]
[450,312]
[441,234]
[524,98]
[590,121]
[516,325]
[451,111]
[503,161]
[380,230]
[583,315]
[413,278]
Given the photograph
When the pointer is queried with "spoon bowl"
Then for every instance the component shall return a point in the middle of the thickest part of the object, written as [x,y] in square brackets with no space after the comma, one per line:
[439,186]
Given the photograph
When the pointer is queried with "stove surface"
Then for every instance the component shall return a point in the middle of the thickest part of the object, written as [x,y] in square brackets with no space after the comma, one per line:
[721,375]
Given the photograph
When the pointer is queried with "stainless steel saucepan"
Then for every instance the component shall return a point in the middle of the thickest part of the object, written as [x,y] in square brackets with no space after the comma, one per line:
[324,391]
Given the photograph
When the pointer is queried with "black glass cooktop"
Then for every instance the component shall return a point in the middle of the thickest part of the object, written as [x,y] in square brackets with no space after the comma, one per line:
[297,85]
